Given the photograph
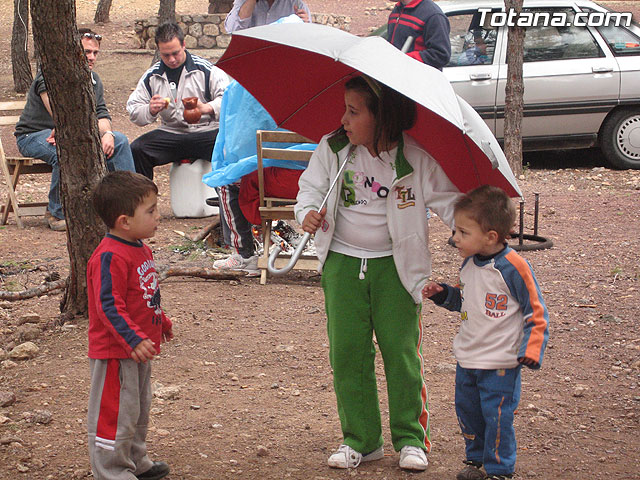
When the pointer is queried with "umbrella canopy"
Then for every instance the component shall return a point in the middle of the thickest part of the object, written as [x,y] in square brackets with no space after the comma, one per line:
[298,71]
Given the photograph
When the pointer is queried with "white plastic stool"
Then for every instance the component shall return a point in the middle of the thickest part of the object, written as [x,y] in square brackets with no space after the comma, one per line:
[188,193]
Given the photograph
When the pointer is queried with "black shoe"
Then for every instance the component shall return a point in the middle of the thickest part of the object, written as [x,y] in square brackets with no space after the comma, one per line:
[156,472]
[499,477]
[471,471]
[213,201]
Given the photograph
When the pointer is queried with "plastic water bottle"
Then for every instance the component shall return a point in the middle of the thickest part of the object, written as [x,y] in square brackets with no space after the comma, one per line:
[188,193]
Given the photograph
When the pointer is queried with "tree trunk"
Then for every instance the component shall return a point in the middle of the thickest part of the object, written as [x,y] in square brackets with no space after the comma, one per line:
[22,76]
[102,12]
[514,92]
[166,11]
[80,156]
[220,6]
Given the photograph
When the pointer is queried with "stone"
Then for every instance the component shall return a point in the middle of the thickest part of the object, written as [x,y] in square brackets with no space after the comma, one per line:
[211,29]
[262,451]
[29,318]
[8,364]
[38,416]
[28,332]
[195,30]
[3,354]
[190,42]
[7,398]
[151,44]
[207,42]
[24,351]
[167,393]
[199,18]
[223,41]
[151,32]
[183,26]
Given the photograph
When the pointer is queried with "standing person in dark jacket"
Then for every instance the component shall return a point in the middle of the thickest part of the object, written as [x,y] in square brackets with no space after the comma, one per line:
[35,131]
[427,24]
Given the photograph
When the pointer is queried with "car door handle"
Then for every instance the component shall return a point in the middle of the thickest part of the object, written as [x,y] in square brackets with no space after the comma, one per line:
[476,77]
[602,69]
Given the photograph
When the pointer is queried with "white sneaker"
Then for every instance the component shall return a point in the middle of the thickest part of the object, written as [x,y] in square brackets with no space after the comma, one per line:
[347,457]
[413,458]
[237,263]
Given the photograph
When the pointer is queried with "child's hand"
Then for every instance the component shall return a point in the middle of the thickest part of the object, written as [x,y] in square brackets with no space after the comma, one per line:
[313,220]
[144,351]
[430,289]
[167,336]
[529,362]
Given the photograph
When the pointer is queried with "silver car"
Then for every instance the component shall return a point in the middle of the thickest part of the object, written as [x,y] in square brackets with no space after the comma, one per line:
[581,82]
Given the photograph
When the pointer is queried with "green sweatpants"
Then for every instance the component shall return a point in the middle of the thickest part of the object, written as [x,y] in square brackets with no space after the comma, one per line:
[355,309]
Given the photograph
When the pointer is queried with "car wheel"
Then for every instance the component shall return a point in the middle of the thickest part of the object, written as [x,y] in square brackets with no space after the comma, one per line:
[620,138]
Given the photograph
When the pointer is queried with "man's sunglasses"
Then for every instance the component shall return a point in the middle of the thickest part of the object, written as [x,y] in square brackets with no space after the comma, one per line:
[92,35]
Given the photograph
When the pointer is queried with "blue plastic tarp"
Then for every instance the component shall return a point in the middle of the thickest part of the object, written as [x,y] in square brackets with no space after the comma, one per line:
[235,154]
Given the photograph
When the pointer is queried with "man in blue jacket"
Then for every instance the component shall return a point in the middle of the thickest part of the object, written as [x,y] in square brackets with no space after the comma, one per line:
[425,22]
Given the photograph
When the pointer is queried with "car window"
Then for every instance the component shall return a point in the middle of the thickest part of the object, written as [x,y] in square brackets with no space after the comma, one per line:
[544,43]
[620,40]
[471,43]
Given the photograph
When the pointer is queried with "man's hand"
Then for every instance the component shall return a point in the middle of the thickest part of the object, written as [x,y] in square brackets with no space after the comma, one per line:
[313,220]
[52,137]
[302,13]
[430,289]
[157,104]
[144,351]
[108,144]
[205,108]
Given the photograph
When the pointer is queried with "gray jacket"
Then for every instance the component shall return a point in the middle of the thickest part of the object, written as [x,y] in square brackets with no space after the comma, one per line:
[199,78]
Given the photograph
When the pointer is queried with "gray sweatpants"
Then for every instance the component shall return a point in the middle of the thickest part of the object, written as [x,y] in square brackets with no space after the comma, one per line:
[118,417]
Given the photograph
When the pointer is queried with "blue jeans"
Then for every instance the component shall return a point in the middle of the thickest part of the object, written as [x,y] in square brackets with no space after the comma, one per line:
[35,145]
[485,402]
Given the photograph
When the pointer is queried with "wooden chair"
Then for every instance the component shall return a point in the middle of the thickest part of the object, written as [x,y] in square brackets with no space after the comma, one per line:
[13,167]
[274,208]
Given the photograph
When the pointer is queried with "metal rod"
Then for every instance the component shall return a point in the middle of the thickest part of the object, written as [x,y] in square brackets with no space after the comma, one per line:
[521,233]
[536,212]
[271,264]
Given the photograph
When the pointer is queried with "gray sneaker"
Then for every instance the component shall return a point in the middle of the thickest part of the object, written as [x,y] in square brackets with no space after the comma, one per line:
[347,457]
[235,262]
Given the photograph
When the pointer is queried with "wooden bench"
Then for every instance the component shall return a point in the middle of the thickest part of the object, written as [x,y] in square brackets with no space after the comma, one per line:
[274,208]
[13,167]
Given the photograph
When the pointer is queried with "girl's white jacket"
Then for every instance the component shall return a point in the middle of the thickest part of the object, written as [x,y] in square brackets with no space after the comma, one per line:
[420,183]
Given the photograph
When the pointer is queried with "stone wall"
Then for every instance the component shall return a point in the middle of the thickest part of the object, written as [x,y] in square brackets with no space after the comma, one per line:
[207,31]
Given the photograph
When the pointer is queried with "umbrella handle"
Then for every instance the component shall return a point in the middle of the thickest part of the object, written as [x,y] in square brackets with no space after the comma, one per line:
[271,264]
[407,44]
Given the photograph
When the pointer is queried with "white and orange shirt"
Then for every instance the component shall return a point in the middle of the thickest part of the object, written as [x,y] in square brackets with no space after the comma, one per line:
[504,317]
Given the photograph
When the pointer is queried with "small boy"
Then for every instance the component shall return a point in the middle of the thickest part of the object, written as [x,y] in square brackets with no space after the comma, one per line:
[504,325]
[126,326]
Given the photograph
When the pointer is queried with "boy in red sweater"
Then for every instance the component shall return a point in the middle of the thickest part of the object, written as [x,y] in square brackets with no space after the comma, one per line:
[126,327]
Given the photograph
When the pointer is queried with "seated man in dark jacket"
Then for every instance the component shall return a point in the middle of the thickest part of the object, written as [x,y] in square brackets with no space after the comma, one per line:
[35,131]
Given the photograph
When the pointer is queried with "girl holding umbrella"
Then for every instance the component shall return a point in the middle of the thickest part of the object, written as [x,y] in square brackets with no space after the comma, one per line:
[372,243]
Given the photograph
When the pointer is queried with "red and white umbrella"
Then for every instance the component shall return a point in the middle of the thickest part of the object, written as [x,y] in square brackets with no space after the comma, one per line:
[298,71]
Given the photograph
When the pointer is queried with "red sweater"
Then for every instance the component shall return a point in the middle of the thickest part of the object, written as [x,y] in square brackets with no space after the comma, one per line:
[124,299]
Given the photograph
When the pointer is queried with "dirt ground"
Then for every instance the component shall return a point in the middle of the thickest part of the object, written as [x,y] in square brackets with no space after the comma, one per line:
[245,389]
